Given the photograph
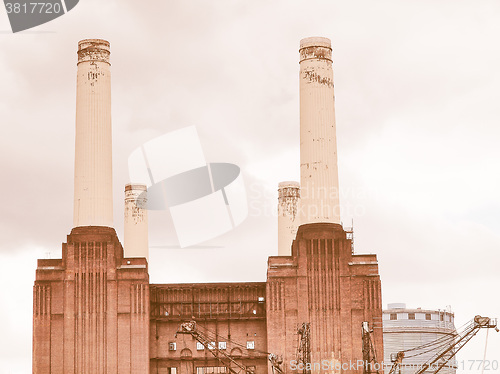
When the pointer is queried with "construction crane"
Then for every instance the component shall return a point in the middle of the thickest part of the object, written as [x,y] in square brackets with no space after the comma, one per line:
[304,347]
[232,365]
[451,346]
[369,353]
[276,362]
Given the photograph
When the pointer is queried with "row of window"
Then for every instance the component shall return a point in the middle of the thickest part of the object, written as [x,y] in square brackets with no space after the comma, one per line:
[210,370]
[428,317]
[209,309]
[200,347]
[218,369]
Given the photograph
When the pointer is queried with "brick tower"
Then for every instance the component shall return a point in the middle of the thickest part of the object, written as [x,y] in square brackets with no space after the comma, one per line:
[91,308]
[322,283]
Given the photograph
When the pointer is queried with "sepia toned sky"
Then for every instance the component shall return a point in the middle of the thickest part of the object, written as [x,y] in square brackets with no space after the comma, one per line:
[418,115]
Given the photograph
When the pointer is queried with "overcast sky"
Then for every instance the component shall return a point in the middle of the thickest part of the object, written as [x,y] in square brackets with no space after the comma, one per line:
[417,105]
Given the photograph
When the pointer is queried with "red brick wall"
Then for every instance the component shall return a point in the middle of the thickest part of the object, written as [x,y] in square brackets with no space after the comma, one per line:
[95,312]
[91,308]
[228,312]
[324,284]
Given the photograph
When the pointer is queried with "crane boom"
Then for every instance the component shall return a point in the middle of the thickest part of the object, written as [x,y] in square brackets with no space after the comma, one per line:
[190,328]
[369,354]
[221,355]
[276,362]
[441,358]
[304,347]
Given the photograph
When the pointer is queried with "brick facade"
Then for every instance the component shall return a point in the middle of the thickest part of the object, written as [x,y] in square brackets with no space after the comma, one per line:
[95,311]
[230,313]
[325,284]
[91,308]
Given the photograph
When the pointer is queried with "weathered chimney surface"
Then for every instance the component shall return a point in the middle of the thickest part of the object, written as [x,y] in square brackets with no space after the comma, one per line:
[93,201]
[288,219]
[318,143]
[136,221]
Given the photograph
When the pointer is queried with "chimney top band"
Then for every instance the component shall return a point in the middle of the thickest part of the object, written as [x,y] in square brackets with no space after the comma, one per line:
[315,41]
[135,187]
[315,48]
[288,184]
[93,50]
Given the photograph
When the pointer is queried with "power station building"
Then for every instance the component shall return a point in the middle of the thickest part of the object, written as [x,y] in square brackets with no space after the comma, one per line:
[406,329]
[95,311]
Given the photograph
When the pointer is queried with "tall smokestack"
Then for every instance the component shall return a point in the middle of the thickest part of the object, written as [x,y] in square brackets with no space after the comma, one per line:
[136,221]
[288,220]
[93,204]
[318,144]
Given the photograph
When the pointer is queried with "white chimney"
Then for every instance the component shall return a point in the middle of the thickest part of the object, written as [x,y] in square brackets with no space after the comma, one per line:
[136,221]
[288,220]
[93,200]
[318,144]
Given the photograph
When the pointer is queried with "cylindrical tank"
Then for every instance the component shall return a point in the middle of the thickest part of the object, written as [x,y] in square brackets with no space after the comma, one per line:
[136,221]
[288,220]
[318,144]
[406,328]
[93,200]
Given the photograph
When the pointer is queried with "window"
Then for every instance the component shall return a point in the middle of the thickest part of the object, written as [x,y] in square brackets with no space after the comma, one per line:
[251,345]
[261,299]
[411,315]
[172,346]
[428,316]
[394,317]
[442,317]
[199,346]
[172,370]
[211,370]
[250,369]
[222,345]
[212,346]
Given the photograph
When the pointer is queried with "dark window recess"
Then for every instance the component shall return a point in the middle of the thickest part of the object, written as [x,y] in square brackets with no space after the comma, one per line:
[411,315]
[394,316]
[428,316]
